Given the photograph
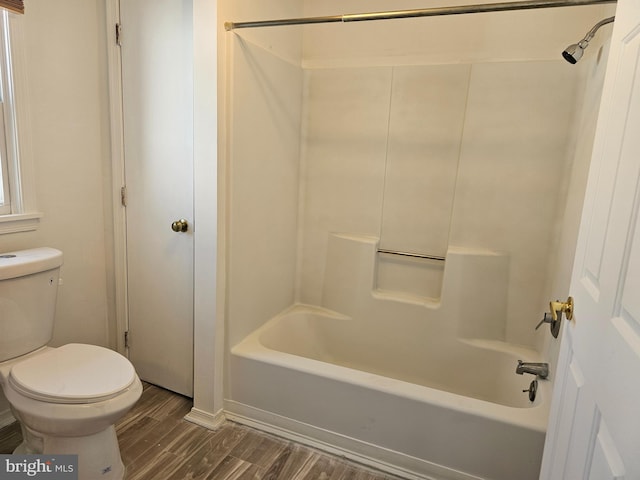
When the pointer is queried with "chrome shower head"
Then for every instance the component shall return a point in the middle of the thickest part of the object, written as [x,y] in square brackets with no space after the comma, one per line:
[574,52]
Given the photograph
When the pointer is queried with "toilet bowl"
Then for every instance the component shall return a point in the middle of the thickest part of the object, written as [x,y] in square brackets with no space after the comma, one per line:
[67,399]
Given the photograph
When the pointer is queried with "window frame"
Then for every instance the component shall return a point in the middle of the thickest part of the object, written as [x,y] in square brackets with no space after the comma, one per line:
[21,214]
[5,92]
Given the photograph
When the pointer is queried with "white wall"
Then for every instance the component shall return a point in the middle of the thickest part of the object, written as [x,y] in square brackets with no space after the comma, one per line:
[263,172]
[67,93]
[262,88]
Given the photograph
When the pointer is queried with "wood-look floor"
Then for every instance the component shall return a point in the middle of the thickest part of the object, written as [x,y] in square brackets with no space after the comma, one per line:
[157,443]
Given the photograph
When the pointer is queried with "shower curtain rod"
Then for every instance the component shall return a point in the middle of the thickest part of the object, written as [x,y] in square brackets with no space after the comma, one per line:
[425,12]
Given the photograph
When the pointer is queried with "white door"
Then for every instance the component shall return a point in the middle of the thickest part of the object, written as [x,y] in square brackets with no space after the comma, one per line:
[157,78]
[594,426]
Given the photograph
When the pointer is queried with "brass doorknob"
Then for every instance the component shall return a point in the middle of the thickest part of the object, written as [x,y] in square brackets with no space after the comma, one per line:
[562,307]
[180,225]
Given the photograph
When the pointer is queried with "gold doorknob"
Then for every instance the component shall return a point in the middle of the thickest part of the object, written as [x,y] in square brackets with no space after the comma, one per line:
[180,225]
[559,307]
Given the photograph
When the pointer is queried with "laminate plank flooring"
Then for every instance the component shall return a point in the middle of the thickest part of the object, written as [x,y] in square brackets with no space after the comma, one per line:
[156,443]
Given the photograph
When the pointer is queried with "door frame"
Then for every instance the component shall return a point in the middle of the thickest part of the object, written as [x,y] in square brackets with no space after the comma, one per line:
[207,287]
[114,61]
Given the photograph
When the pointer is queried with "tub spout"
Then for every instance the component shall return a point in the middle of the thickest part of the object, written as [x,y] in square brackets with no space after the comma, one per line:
[539,369]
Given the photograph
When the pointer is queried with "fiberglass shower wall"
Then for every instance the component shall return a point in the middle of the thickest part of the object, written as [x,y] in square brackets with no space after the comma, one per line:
[424,157]
[264,102]
[492,89]
[425,133]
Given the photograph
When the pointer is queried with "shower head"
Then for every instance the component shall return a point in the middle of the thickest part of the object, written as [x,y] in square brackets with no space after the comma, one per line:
[574,52]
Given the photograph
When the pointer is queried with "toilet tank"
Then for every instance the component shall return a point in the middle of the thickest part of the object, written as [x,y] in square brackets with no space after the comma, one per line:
[28,290]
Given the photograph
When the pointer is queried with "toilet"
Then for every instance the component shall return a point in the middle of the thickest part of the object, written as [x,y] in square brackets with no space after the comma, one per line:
[67,399]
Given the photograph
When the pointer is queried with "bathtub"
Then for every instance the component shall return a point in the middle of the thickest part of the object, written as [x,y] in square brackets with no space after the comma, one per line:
[391,397]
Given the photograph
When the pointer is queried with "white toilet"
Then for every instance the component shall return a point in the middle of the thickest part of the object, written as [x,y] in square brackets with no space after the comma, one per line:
[67,399]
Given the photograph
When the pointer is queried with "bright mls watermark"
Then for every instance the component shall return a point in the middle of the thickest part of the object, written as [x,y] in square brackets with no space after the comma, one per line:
[51,467]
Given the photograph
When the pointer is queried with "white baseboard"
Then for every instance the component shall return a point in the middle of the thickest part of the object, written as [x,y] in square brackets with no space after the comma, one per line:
[364,453]
[6,418]
[208,420]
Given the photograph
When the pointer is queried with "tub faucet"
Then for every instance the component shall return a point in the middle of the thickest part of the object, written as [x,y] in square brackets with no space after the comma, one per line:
[539,369]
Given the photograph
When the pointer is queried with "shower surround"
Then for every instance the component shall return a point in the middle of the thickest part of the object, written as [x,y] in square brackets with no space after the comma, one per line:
[330,159]
[422,157]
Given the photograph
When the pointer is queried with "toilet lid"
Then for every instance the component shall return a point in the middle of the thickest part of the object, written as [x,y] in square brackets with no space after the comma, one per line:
[73,373]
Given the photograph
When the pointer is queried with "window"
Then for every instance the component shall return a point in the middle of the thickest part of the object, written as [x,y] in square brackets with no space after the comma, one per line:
[5,111]
[17,209]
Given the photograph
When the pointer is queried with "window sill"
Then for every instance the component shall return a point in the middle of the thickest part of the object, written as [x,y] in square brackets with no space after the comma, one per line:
[19,222]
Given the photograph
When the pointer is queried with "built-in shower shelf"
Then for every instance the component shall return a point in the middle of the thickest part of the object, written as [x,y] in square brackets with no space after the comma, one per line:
[409,279]
[405,297]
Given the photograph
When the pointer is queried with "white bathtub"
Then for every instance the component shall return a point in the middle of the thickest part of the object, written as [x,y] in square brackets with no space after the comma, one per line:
[392,397]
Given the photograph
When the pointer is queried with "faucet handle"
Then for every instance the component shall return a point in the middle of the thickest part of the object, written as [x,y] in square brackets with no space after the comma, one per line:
[532,390]
[545,319]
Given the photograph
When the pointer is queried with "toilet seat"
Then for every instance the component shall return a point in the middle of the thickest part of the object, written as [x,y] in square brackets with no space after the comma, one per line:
[73,374]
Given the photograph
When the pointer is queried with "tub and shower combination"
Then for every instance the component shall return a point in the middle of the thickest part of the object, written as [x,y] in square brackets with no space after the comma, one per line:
[446,139]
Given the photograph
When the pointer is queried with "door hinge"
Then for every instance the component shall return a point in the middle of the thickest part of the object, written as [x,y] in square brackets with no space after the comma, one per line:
[126,339]
[123,196]
[118,34]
